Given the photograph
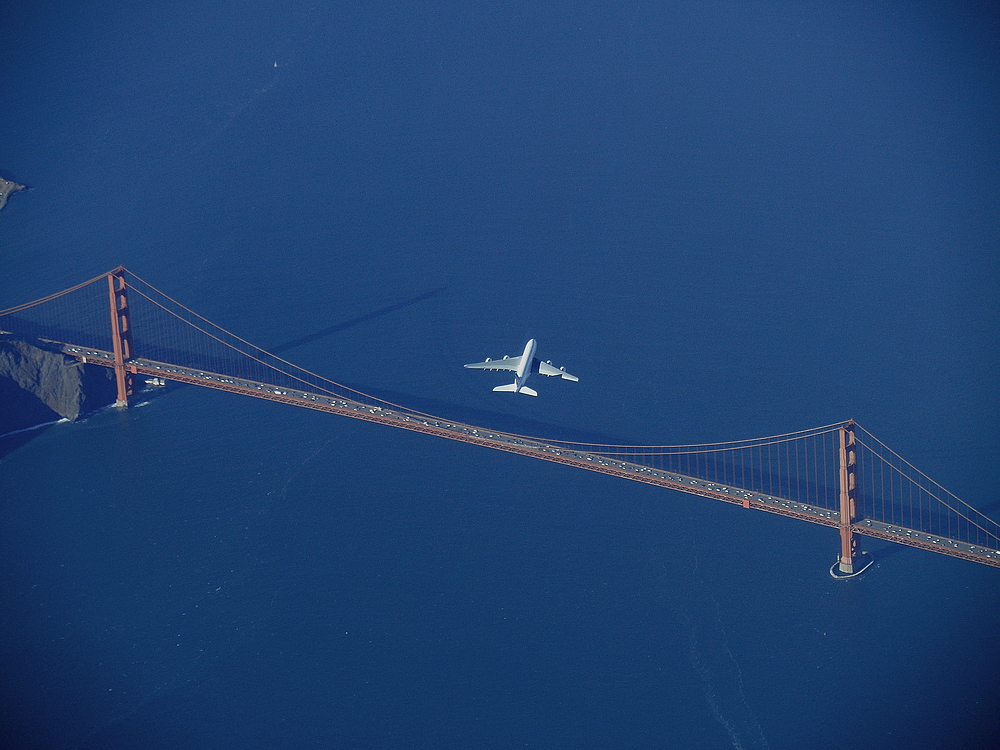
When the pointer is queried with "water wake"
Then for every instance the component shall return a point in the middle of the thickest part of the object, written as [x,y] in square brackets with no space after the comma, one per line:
[34,427]
[715,665]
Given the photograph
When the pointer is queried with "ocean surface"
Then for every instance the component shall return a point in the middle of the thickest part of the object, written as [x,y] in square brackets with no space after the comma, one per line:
[729,219]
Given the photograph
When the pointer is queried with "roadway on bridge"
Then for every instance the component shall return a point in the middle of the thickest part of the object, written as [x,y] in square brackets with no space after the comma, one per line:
[592,461]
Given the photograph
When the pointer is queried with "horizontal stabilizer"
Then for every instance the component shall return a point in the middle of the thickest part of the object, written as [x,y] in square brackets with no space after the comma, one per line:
[512,388]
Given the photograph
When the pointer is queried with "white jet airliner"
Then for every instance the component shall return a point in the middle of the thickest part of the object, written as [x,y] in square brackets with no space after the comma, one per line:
[523,366]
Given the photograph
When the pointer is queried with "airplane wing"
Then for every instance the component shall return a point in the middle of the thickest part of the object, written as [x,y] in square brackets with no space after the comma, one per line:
[507,363]
[547,368]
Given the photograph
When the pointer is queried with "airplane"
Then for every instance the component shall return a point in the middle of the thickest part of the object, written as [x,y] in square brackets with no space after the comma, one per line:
[523,366]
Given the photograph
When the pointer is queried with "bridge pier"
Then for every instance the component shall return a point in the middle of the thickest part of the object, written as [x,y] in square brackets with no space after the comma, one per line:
[121,333]
[851,561]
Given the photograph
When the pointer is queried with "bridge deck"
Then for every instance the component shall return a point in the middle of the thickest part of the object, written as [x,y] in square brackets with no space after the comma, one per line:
[538,449]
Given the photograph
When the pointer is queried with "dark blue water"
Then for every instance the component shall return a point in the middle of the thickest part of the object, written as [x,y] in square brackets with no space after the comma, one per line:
[728,221]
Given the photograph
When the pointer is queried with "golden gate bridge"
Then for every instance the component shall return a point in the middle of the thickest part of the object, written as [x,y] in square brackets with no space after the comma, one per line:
[837,475]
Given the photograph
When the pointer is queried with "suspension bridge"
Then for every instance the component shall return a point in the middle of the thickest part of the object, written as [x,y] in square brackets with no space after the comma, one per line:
[836,475]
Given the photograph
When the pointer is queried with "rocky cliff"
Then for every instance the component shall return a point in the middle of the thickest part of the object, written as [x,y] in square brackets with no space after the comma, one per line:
[6,188]
[39,384]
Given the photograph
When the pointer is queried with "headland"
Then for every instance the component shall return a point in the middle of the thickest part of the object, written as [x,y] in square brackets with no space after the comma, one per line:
[6,188]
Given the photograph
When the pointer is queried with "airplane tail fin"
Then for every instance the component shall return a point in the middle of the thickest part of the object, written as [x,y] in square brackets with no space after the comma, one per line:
[512,388]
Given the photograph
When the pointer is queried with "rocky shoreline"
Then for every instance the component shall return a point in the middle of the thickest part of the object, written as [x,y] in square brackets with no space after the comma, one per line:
[6,188]
[39,385]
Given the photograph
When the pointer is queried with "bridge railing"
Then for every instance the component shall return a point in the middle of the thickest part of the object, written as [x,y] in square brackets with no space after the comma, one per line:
[799,466]
[893,491]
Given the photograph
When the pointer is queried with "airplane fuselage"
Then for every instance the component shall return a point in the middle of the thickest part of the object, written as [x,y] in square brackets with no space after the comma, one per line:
[524,366]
